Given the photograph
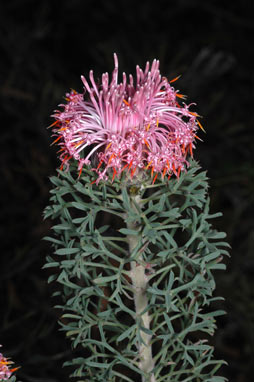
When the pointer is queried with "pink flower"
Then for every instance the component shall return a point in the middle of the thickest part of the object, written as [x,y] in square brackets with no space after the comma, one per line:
[5,371]
[127,126]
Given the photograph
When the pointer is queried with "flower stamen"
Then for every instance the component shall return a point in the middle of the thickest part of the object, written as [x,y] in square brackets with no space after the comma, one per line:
[99,165]
[56,140]
[175,79]
[126,102]
[133,172]
[155,177]
[148,165]
[147,144]
[201,127]
[182,96]
[114,174]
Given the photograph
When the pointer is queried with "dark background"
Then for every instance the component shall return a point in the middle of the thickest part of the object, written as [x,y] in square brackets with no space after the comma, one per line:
[45,46]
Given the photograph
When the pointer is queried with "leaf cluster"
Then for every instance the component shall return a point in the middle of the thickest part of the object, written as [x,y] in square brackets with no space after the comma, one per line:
[91,267]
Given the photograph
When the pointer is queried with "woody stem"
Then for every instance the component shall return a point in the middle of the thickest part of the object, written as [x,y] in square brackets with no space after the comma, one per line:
[140,284]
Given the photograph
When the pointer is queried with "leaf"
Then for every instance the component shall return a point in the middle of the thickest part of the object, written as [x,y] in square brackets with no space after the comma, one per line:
[146,330]
[170,239]
[81,206]
[168,321]
[216,266]
[127,333]
[126,231]
[61,227]
[106,279]
[53,240]
[126,201]
[69,315]
[67,251]
[50,265]
[211,256]
[52,278]
[216,235]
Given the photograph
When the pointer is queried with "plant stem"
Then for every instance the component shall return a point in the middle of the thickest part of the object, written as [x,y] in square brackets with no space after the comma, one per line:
[140,283]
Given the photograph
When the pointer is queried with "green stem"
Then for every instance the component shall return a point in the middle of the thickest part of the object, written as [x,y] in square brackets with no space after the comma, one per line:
[140,284]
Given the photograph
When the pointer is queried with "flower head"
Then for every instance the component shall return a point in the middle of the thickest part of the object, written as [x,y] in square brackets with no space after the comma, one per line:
[5,371]
[127,126]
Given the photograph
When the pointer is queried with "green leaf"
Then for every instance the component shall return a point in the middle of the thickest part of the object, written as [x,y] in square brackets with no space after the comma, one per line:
[146,330]
[126,201]
[81,206]
[168,321]
[127,333]
[106,279]
[67,251]
[69,315]
[53,240]
[126,231]
[61,227]
[52,278]
[50,265]
[170,239]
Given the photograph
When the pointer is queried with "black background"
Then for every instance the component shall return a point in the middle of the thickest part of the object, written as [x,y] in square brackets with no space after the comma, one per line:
[45,46]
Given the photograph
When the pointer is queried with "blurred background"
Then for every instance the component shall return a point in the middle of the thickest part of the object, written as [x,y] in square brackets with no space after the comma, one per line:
[45,46]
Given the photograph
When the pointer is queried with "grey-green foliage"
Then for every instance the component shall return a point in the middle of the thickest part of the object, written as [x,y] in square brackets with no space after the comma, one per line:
[91,265]
[11,379]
